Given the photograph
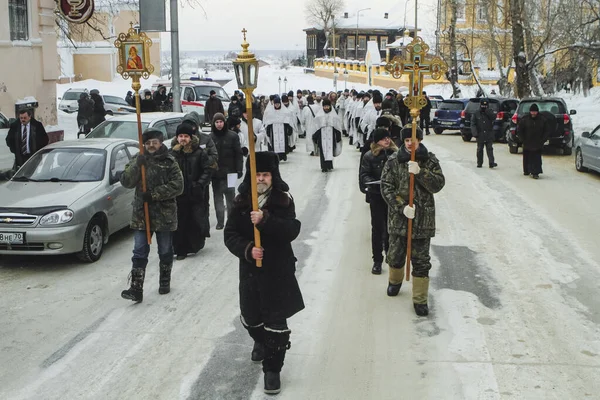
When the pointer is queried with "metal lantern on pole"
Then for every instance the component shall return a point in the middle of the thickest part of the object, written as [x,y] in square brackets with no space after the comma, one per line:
[345,79]
[285,84]
[246,74]
[279,85]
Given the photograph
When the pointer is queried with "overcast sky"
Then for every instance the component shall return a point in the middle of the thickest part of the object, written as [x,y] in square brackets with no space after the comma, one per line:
[274,24]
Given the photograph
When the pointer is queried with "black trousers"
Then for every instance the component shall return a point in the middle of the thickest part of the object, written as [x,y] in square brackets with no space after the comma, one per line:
[379,232]
[532,162]
[488,149]
[220,189]
[425,120]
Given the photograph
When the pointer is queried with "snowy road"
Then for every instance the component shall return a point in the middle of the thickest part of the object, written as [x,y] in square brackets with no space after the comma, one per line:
[515,312]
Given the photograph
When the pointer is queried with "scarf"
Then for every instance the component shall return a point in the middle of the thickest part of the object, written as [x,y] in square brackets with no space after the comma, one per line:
[262,198]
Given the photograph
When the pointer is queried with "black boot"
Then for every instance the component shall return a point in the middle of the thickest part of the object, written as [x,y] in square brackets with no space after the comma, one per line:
[277,342]
[165,278]
[258,334]
[258,352]
[376,270]
[393,290]
[421,310]
[136,291]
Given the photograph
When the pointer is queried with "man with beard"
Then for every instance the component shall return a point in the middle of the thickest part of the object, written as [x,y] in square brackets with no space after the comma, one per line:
[369,120]
[164,183]
[482,128]
[328,135]
[365,98]
[395,178]
[213,106]
[260,135]
[288,103]
[269,295]
[533,132]
[231,161]
[300,101]
[371,167]
[192,225]
[25,137]
[309,113]
[278,123]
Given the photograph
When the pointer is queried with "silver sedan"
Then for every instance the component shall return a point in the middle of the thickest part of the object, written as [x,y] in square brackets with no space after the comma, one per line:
[67,199]
[587,153]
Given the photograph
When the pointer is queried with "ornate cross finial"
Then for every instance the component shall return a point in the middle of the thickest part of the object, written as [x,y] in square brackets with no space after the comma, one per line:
[131,25]
[244,31]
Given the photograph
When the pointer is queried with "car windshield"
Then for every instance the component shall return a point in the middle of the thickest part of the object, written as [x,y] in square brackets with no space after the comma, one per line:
[64,165]
[203,93]
[116,129]
[554,107]
[71,95]
[451,105]
[474,106]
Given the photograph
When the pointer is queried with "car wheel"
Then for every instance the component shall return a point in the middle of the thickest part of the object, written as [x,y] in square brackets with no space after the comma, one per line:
[513,148]
[579,161]
[93,241]
[438,131]
[466,138]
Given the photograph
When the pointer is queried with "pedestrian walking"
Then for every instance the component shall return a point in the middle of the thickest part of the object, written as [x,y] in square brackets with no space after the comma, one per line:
[99,111]
[85,112]
[213,106]
[425,115]
[328,135]
[533,133]
[164,183]
[482,128]
[370,171]
[25,137]
[269,295]
[395,182]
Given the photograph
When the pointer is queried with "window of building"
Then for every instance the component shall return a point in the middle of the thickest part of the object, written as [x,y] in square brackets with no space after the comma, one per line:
[384,42]
[482,12]
[460,10]
[18,20]
[351,42]
[362,42]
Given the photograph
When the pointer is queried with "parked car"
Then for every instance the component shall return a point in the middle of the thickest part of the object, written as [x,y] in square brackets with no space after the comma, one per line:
[504,108]
[4,125]
[114,105]
[67,198]
[560,129]
[194,94]
[447,116]
[125,126]
[587,152]
[435,103]
[435,97]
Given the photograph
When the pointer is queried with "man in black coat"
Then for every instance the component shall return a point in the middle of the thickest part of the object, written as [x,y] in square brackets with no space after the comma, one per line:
[270,294]
[424,118]
[147,104]
[99,110]
[85,112]
[533,132]
[231,161]
[371,167]
[192,224]
[25,137]
[213,106]
[482,128]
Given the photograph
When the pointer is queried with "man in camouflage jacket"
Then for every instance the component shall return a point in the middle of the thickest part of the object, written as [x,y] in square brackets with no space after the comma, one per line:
[395,178]
[164,182]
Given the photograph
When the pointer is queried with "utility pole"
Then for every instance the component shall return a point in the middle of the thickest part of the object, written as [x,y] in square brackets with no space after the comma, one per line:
[175,74]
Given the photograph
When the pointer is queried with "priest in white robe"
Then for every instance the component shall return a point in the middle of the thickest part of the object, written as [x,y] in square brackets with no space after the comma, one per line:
[278,122]
[328,135]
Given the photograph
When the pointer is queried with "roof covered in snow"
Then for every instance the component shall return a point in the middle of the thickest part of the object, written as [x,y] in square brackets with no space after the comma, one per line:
[366,22]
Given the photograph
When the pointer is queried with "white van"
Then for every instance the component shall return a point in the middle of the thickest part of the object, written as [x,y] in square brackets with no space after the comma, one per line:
[194,94]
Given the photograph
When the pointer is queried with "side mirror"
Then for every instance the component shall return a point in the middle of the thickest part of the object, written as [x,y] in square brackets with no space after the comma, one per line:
[572,112]
[585,135]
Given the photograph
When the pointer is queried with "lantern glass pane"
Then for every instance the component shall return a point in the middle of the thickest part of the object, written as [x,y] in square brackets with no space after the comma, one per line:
[239,73]
[252,75]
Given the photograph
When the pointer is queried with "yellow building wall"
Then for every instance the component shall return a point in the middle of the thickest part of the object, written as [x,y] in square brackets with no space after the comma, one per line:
[94,66]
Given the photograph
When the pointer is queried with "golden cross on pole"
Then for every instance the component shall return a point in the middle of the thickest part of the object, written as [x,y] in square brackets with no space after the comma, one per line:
[416,64]
[244,31]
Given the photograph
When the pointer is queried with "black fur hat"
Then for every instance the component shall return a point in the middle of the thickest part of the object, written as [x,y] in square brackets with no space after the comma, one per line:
[326,102]
[384,122]
[380,134]
[185,128]
[266,161]
[407,132]
[152,133]
[377,98]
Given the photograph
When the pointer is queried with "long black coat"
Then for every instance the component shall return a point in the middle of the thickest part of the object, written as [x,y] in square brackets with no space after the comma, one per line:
[533,132]
[231,159]
[482,125]
[212,106]
[279,295]
[38,138]
[99,111]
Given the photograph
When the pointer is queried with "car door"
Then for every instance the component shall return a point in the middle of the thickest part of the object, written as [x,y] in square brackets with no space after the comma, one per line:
[593,149]
[121,198]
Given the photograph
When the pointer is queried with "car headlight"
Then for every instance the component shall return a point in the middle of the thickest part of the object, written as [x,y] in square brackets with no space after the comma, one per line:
[57,217]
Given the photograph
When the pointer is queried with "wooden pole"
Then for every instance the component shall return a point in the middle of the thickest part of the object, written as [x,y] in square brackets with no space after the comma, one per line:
[414,113]
[136,85]
[252,156]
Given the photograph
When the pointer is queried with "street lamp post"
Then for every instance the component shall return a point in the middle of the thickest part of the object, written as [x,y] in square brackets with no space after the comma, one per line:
[246,74]
[335,80]
[285,84]
[345,79]
[279,86]
[356,42]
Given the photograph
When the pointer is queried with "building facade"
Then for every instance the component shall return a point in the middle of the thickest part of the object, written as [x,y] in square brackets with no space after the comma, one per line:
[29,66]
[351,36]
[87,53]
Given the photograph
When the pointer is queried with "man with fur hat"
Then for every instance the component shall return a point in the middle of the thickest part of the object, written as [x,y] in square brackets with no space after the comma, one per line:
[278,122]
[327,135]
[533,132]
[371,167]
[192,224]
[213,106]
[482,128]
[164,183]
[395,179]
[205,141]
[231,161]
[270,294]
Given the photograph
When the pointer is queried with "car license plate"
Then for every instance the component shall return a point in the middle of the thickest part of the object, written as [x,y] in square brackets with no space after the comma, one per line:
[447,123]
[12,237]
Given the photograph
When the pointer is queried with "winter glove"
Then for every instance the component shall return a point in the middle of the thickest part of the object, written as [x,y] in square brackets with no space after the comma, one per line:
[413,167]
[140,160]
[409,212]
[147,197]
